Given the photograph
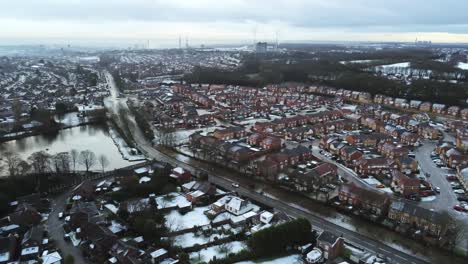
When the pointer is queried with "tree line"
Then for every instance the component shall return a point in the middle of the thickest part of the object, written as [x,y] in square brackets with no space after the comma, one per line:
[41,162]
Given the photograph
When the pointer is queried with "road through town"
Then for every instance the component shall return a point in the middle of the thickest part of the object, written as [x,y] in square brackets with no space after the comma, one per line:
[376,240]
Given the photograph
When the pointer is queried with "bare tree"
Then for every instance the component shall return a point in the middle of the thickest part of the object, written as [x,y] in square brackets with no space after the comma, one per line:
[23,167]
[12,160]
[40,161]
[225,248]
[87,159]
[103,161]
[62,162]
[166,137]
[74,157]
[17,108]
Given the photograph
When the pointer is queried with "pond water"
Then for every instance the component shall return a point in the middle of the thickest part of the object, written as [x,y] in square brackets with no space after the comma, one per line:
[93,137]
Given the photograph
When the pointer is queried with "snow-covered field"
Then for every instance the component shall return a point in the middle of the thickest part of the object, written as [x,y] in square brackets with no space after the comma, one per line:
[177,221]
[463,65]
[397,65]
[190,239]
[293,259]
[124,149]
[205,255]
[357,61]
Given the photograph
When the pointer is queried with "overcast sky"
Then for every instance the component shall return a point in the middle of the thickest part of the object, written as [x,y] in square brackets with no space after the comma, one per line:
[224,21]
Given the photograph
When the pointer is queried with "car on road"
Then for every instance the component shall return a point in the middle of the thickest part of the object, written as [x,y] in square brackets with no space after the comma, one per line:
[60,215]
[235,185]
[459,208]
[451,177]
[437,189]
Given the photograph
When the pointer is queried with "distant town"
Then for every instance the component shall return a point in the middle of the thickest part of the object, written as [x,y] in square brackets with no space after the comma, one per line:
[261,153]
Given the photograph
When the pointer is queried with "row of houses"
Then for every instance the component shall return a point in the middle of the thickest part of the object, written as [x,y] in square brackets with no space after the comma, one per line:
[364,97]
[398,211]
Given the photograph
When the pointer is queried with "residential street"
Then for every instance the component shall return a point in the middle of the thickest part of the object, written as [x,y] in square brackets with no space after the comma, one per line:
[54,226]
[446,199]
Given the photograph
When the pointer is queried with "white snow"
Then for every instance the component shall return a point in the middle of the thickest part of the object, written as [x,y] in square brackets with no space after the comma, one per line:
[293,259]
[208,253]
[462,65]
[124,149]
[172,200]
[190,239]
[177,221]
[428,199]
[397,65]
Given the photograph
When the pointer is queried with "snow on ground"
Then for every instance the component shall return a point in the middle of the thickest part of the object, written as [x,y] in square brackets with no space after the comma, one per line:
[177,221]
[349,107]
[397,65]
[124,149]
[171,200]
[70,119]
[183,135]
[205,255]
[428,199]
[462,65]
[357,61]
[190,239]
[293,259]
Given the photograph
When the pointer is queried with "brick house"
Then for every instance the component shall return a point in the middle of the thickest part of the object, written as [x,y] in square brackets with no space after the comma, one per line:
[229,133]
[406,185]
[311,180]
[374,202]
[453,111]
[407,164]
[409,138]
[425,107]
[438,108]
[350,155]
[331,244]
[405,212]
[464,114]
[375,166]
[271,143]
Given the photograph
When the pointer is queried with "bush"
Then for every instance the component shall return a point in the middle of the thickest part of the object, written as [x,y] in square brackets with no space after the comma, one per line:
[276,239]
[242,255]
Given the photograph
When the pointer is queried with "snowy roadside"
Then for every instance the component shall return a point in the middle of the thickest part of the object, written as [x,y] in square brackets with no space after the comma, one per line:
[124,149]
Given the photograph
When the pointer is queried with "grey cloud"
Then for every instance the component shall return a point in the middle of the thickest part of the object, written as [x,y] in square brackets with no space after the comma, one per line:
[362,15]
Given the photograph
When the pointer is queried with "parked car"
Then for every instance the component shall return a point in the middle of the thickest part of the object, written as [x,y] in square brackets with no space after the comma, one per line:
[451,178]
[459,208]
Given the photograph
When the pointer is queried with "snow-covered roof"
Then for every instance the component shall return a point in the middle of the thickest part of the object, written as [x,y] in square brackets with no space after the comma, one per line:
[52,258]
[29,250]
[158,253]
[111,208]
[141,170]
[179,170]
[4,257]
[144,179]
